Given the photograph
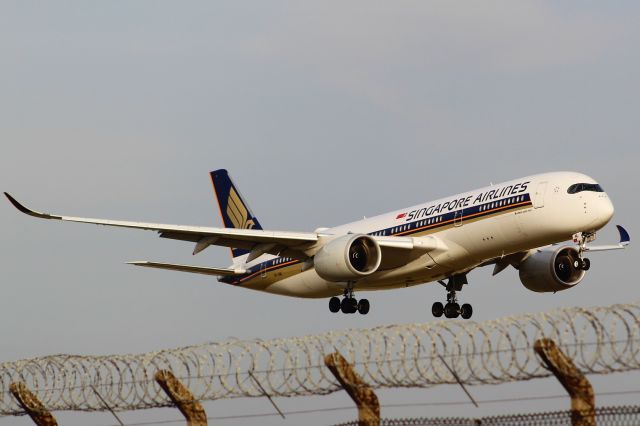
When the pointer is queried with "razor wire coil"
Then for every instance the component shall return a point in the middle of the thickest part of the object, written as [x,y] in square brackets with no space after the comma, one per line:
[600,340]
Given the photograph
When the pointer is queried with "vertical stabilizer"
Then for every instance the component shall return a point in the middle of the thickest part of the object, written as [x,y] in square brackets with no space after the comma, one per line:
[234,210]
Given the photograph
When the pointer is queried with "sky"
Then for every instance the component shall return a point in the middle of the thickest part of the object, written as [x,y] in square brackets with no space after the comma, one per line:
[323,112]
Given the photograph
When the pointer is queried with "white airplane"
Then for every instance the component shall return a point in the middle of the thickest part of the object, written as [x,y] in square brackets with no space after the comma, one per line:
[518,223]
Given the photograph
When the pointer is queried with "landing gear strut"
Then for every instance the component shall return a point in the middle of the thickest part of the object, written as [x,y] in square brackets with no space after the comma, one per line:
[349,304]
[452,309]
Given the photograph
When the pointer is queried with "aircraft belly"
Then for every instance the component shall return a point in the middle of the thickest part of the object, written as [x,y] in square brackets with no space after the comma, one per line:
[421,270]
[307,284]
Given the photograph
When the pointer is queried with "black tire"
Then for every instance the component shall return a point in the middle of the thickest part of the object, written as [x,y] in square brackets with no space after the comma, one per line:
[349,305]
[334,304]
[451,310]
[466,311]
[353,305]
[344,305]
[586,264]
[363,306]
[437,309]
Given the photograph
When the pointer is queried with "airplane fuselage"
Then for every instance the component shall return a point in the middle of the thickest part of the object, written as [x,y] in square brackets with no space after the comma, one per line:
[478,226]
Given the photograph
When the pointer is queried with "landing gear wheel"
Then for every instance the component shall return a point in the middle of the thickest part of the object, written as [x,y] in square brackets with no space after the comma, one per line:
[466,311]
[344,306]
[437,309]
[451,310]
[363,306]
[586,264]
[349,305]
[334,304]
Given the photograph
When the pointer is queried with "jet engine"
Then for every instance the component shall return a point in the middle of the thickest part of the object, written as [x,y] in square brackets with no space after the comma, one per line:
[552,269]
[348,258]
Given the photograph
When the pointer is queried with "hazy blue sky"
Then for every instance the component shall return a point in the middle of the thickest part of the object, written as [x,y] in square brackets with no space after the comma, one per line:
[323,112]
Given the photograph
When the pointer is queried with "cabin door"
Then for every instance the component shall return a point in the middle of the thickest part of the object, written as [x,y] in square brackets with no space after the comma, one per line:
[538,196]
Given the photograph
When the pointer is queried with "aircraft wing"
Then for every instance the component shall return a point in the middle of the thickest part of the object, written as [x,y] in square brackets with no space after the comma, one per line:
[625,239]
[202,236]
[298,245]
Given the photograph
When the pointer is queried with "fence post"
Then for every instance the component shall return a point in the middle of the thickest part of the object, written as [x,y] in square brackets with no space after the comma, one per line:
[183,399]
[577,385]
[364,397]
[32,405]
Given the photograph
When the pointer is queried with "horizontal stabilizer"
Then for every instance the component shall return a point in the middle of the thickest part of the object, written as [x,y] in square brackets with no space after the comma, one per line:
[193,269]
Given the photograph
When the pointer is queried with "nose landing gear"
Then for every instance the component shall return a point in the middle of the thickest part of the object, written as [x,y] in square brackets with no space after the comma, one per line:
[349,304]
[585,264]
[452,309]
[582,238]
[582,263]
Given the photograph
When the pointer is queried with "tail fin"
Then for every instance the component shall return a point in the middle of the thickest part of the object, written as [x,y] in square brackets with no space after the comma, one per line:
[234,210]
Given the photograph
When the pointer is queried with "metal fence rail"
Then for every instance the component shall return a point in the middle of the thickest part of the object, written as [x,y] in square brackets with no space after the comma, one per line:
[605,416]
[600,340]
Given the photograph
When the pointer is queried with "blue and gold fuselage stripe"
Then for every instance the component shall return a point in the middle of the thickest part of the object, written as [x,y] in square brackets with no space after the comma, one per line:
[422,226]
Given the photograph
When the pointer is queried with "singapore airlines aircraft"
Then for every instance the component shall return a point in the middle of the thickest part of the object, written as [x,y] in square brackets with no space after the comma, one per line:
[518,223]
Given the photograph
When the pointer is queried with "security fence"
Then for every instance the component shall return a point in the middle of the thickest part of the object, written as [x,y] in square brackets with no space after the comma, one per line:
[599,340]
[605,416]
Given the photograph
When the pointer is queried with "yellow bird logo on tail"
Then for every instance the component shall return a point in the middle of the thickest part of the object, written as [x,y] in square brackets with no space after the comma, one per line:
[237,211]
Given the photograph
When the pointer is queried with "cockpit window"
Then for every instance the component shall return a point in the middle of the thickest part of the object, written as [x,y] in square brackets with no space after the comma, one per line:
[579,187]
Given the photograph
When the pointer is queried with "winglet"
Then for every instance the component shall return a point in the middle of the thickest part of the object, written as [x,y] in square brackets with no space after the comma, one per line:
[624,235]
[30,212]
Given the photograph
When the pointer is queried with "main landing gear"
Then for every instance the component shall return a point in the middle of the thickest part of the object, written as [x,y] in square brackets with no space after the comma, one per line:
[452,309]
[349,304]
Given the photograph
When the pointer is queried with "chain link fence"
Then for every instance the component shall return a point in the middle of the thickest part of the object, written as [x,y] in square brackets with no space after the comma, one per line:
[605,416]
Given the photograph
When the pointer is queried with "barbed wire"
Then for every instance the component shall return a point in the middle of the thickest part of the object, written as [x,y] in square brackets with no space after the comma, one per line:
[600,340]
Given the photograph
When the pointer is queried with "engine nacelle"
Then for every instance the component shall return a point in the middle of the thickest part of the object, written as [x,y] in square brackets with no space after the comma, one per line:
[552,269]
[348,258]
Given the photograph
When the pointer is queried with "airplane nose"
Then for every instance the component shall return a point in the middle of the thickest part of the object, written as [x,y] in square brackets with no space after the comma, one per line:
[604,212]
[601,210]
[607,209]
